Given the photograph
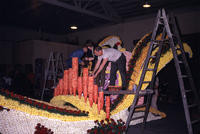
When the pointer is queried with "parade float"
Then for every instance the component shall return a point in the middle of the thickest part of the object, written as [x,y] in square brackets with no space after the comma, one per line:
[78,105]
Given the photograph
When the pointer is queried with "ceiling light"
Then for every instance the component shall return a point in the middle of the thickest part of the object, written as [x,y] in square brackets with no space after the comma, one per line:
[146,5]
[74,27]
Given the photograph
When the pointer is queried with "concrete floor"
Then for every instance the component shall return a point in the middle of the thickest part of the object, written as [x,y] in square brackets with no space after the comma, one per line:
[174,123]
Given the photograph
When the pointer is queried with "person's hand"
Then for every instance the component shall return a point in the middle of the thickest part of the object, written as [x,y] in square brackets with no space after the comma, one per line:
[86,58]
[92,74]
[82,63]
[95,75]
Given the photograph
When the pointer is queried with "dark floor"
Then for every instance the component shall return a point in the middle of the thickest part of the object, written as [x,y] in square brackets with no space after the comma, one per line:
[174,123]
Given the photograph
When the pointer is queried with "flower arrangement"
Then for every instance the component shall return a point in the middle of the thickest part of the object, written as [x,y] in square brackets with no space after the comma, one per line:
[40,105]
[108,126]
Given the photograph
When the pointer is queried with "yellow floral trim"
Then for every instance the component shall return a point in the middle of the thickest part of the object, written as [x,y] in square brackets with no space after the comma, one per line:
[13,104]
[81,105]
[108,38]
[152,110]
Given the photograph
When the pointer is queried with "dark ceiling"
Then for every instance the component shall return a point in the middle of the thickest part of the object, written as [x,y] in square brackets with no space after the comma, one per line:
[56,16]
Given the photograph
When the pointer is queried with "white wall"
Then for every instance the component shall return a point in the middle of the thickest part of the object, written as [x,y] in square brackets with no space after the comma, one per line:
[189,22]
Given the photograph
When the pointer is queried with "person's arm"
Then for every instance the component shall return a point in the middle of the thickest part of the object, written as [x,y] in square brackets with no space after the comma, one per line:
[96,66]
[101,67]
[91,58]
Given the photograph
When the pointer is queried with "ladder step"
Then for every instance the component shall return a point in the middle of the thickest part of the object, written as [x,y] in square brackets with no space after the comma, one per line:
[160,41]
[139,106]
[195,121]
[185,76]
[136,118]
[180,61]
[187,91]
[152,56]
[177,48]
[192,105]
[145,92]
[52,59]
[149,69]
[146,81]
[46,89]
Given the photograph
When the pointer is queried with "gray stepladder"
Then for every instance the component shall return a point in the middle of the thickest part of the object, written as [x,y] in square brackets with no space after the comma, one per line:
[53,71]
[190,96]
[169,36]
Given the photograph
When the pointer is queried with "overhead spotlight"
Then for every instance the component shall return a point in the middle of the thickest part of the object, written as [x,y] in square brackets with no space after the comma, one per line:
[146,5]
[73,27]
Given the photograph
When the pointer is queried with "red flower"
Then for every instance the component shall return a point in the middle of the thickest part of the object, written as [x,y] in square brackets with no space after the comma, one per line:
[35,103]
[44,106]
[39,104]
[118,43]
[101,131]
[120,120]
[95,131]
[29,101]
[7,92]
[102,121]
[119,127]
[88,131]
[107,119]
[124,127]
[21,97]
[49,107]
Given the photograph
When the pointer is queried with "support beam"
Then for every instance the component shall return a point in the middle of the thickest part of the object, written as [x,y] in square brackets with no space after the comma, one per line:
[109,9]
[32,7]
[78,9]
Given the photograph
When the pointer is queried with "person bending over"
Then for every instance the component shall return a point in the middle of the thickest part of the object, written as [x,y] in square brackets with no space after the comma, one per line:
[77,53]
[118,62]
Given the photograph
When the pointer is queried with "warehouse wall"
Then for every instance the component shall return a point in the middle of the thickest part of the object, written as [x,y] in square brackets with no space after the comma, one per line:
[26,52]
[6,52]
[134,29]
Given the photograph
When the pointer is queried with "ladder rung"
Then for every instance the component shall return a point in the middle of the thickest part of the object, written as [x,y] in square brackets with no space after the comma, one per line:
[174,36]
[180,61]
[146,81]
[187,91]
[149,69]
[186,76]
[139,117]
[177,48]
[160,41]
[139,106]
[144,92]
[195,121]
[192,105]
[152,56]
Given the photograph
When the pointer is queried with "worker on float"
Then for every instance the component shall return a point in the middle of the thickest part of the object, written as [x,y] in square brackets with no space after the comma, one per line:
[118,62]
